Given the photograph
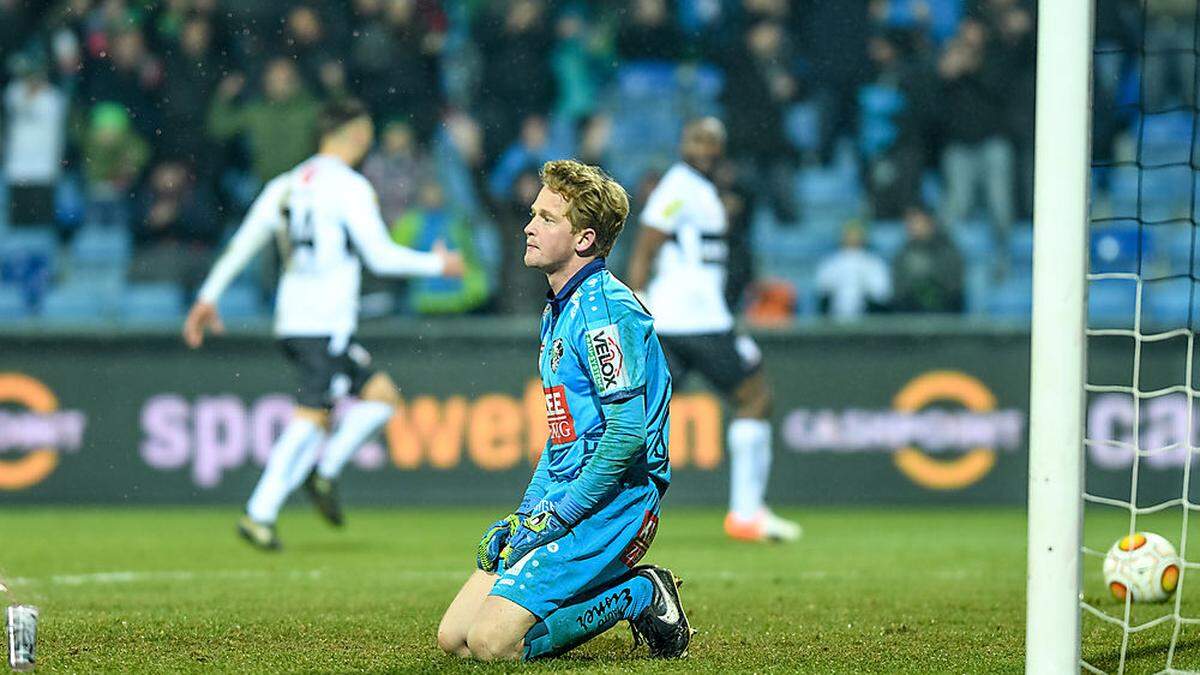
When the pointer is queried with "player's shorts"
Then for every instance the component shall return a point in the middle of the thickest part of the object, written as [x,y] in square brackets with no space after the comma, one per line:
[724,359]
[328,369]
[601,548]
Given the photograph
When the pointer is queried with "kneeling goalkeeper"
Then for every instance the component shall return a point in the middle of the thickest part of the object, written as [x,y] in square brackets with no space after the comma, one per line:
[563,568]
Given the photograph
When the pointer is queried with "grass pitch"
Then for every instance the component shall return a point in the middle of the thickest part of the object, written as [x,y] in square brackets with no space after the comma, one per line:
[866,590]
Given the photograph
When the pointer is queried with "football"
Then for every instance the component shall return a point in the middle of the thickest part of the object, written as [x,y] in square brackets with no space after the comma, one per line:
[1144,565]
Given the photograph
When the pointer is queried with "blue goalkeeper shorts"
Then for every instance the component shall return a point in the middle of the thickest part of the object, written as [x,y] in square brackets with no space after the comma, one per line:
[599,549]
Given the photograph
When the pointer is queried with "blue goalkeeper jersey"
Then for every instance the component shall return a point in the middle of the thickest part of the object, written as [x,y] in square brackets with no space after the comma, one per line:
[599,346]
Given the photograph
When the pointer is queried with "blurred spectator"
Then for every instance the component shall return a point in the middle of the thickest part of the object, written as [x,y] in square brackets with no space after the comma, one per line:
[853,281]
[761,85]
[528,152]
[279,126]
[193,69]
[394,61]
[736,197]
[833,37]
[432,221]
[595,139]
[1012,45]
[458,159]
[578,63]
[979,150]
[113,157]
[1169,73]
[893,128]
[396,170]
[314,52]
[177,228]
[520,292]
[649,33]
[927,274]
[130,75]
[35,114]
[516,79]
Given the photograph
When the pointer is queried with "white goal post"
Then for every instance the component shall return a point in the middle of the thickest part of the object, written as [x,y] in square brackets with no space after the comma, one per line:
[1057,369]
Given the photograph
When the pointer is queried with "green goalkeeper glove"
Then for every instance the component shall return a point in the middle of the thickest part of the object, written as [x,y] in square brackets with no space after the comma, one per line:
[487,554]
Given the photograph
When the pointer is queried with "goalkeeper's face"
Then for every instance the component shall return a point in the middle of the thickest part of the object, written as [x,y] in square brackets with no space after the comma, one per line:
[550,242]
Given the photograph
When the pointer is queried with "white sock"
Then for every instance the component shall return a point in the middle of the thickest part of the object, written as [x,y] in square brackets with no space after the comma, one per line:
[356,428]
[291,460]
[749,465]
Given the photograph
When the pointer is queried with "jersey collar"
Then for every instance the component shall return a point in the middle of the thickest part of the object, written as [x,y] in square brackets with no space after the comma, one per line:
[557,302]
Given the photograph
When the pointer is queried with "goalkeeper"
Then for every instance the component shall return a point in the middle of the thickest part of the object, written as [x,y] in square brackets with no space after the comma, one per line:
[563,568]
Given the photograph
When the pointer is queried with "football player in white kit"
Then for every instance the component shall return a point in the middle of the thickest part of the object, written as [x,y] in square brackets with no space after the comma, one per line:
[683,239]
[326,218]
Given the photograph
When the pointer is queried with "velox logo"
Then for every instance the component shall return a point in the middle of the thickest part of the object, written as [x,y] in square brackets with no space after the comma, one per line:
[558,415]
[606,359]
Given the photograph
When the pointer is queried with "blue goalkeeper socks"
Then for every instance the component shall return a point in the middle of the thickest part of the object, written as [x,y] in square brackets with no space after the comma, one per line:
[584,618]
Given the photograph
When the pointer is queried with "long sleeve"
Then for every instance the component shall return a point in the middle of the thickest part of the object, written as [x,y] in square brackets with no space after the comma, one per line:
[623,438]
[380,254]
[256,230]
[538,484]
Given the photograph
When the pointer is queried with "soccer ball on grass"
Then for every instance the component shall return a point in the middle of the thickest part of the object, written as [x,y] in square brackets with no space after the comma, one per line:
[1144,565]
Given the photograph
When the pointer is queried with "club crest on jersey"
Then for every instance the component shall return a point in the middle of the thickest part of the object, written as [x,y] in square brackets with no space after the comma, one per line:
[556,354]
[558,415]
[606,360]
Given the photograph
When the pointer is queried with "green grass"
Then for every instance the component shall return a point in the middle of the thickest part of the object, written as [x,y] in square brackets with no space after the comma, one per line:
[866,590]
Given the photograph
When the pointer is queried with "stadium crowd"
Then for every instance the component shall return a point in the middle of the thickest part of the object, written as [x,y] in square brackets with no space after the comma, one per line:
[139,131]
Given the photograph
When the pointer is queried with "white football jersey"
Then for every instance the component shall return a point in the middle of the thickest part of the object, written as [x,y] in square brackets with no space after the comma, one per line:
[687,293]
[326,217]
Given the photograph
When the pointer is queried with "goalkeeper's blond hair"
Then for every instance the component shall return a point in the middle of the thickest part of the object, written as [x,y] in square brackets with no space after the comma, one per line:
[594,200]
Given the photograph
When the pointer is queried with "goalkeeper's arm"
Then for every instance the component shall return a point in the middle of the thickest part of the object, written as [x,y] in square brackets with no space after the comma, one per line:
[624,437]
[538,484]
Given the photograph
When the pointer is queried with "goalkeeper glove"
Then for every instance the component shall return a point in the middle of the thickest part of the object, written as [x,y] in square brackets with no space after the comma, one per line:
[487,554]
[541,527]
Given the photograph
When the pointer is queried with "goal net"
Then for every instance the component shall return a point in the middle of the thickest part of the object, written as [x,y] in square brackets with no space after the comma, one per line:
[1114,309]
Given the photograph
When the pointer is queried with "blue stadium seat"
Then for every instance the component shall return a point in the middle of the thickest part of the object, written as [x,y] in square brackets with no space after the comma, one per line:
[1012,298]
[1114,248]
[240,301]
[1166,304]
[12,304]
[1111,303]
[1021,246]
[101,245]
[77,303]
[152,303]
[974,240]
[978,286]
[1166,137]
[887,237]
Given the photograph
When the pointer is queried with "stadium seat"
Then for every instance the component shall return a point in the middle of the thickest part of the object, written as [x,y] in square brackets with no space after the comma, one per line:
[1021,246]
[978,286]
[1012,299]
[974,240]
[12,304]
[1114,247]
[886,237]
[100,245]
[1166,137]
[1111,303]
[1168,304]
[77,303]
[241,301]
[152,303]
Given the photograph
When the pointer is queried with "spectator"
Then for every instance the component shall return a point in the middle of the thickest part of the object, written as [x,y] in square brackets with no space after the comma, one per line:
[113,158]
[315,53]
[395,62]
[458,160]
[650,33]
[893,129]
[516,78]
[279,126]
[432,221]
[853,281]
[578,64]
[763,83]
[396,170]
[927,274]
[177,227]
[979,149]
[35,113]
[521,293]
[833,37]
[132,76]
[529,151]
[193,70]
[1012,45]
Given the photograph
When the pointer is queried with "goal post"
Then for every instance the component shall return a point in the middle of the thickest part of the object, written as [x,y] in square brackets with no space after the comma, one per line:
[1058,350]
